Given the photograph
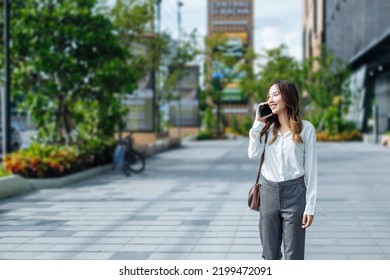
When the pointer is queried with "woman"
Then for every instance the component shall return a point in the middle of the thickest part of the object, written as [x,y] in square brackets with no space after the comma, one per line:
[289,173]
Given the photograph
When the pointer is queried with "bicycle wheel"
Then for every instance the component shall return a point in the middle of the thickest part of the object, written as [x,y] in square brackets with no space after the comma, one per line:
[136,162]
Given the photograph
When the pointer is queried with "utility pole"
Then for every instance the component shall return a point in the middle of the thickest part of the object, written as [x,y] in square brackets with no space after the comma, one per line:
[5,110]
[179,5]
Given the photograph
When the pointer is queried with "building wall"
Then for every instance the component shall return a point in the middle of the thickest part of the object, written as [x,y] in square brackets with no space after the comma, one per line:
[352,26]
[313,27]
[358,32]
[226,16]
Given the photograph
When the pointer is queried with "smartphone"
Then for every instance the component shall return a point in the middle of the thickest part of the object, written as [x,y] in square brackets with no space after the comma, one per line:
[264,110]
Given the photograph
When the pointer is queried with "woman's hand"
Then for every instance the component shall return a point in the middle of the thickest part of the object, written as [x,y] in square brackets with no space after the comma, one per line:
[307,220]
[258,117]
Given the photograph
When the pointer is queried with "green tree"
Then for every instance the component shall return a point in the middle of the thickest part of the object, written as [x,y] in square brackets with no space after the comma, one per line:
[277,65]
[326,81]
[67,63]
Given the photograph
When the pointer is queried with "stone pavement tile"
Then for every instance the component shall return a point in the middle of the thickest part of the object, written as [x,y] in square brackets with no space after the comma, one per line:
[357,242]
[244,248]
[167,228]
[153,233]
[138,248]
[246,241]
[58,233]
[7,247]
[92,256]
[175,248]
[79,240]
[13,240]
[130,255]
[207,256]
[211,249]
[113,240]
[322,241]
[67,247]
[244,256]
[131,227]
[168,256]
[146,240]
[222,234]
[46,240]
[366,257]
[167,223]
[247,234]
[322,256]
[180,241]
[324,249]
[383,241]
[115,233]
[18,255]
[215,241]
[91,233]
[102,248]
[55,256]
[217,228]
[380,234]
[32,248]
[186,234]
[362,250]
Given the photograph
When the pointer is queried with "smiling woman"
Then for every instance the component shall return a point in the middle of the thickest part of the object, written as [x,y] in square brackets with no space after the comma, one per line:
[288,175]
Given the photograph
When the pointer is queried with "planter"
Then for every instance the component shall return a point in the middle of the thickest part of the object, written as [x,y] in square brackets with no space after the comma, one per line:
[68,180]
[15,184]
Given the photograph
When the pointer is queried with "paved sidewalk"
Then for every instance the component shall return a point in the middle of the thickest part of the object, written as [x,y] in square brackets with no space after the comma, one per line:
[190,203]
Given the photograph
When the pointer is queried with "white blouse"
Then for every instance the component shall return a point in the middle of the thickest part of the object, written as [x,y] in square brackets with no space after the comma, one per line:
[285,160]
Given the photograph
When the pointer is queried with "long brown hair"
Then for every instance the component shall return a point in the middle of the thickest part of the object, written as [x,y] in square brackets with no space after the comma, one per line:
[290,95]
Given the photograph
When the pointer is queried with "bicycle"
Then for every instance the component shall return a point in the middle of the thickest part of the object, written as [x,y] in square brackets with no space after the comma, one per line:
[130,159]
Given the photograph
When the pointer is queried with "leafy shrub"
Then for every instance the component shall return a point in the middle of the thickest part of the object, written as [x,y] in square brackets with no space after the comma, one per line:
[50,161]
[204,135]
[353,135]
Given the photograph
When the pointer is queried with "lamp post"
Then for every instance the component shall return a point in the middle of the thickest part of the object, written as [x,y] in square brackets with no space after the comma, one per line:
[179,5]
[5,110]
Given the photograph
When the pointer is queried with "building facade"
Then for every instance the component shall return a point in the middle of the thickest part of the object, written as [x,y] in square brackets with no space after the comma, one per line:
[313,27]
[232,20]
[358,32]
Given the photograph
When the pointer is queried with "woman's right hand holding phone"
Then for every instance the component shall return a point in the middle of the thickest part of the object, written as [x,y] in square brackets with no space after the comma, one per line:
[258,115]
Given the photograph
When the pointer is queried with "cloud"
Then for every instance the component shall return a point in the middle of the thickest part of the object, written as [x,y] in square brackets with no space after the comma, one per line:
[270,37]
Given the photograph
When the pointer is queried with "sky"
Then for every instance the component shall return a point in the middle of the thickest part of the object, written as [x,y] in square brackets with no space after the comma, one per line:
[275,22]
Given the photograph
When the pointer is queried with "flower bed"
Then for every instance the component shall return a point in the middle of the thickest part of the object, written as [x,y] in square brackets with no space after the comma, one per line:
[50,161]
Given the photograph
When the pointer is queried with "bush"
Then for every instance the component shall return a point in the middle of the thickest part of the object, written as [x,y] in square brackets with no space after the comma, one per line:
[353,135]
[51,161]
[204,135]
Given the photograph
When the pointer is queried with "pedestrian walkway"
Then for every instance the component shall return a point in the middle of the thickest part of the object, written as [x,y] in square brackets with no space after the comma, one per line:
[190,203]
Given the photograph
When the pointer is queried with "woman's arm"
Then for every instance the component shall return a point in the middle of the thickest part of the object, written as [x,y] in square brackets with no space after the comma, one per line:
[255,148]
[310,165]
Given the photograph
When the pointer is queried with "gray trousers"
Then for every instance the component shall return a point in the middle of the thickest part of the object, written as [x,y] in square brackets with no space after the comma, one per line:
[281,212]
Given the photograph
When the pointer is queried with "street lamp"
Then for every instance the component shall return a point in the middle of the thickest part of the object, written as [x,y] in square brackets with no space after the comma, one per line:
[179,5]
[5,110]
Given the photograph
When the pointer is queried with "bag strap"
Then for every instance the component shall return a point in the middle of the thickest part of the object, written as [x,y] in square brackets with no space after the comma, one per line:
[262,159]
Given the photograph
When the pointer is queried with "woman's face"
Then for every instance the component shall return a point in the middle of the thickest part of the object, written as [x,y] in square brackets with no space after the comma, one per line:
[275,100]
